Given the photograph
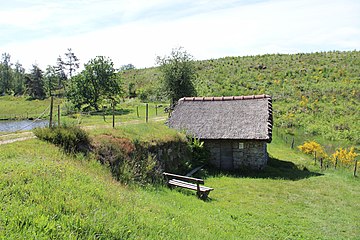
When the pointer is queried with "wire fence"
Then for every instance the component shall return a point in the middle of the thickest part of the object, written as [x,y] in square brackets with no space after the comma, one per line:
[16,125]
[294,139]
[11,122]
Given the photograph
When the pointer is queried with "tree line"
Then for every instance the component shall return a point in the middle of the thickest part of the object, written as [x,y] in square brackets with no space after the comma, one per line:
[38,83]
[99,81]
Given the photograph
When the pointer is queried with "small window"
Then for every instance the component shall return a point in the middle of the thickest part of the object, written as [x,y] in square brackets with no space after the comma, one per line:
[241,145]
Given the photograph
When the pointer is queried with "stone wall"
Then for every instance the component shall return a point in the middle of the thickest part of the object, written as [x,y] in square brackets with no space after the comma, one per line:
[237,154]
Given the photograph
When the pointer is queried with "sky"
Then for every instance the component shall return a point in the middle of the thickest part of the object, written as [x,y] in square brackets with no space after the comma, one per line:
[137,31]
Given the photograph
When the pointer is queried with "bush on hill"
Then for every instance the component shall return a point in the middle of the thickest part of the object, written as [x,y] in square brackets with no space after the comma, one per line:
[71,139]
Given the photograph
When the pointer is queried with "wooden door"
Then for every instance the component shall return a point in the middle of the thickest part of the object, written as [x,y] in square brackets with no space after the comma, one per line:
[226,156]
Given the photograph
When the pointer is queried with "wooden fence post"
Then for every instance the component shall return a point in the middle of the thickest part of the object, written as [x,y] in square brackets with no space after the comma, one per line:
[147,112]
[292,143]
[51,111]
[137,111]
[156,110]
[113,114]
[58,115]
[336,162]
[321,163]
[355,168]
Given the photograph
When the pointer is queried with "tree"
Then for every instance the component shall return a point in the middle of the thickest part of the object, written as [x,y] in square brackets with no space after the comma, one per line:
[66,68]
[178,73]
[98,81]
[5,76]
[51,79]
[34,83]
[131,90]
[127,67]
[19,79]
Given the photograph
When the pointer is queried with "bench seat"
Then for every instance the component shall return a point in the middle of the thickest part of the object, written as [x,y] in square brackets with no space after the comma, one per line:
[192,186]
[191,183]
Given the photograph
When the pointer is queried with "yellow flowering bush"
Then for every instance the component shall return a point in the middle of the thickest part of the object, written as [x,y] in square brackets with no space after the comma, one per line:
[310,147]
[345,156]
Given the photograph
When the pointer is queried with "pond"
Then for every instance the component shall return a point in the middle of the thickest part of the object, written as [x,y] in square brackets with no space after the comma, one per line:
[21,125]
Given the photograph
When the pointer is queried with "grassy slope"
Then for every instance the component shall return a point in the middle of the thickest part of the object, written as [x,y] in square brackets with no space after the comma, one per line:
[47,194]
[317,93]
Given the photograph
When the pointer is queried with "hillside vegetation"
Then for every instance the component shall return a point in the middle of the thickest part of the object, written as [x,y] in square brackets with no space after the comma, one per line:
[46,194]
[314,95]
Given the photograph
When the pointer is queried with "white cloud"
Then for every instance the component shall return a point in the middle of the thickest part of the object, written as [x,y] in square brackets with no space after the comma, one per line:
[137,31]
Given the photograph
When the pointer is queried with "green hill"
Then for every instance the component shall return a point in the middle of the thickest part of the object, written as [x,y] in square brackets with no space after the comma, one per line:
[315,95]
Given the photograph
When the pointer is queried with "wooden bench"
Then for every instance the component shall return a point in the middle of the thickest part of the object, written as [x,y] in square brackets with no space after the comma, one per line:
[191,183]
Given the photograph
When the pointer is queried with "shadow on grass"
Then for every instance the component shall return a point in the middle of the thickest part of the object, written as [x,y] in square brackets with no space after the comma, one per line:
[108,112]
[275,169]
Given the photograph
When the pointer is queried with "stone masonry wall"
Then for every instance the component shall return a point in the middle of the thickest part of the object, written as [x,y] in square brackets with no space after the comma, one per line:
[244,153]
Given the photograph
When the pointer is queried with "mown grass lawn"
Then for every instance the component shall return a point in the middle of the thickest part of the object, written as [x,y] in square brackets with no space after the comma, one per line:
[46,194]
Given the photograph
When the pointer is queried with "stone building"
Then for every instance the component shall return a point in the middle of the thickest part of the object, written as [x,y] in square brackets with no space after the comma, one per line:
[236,130]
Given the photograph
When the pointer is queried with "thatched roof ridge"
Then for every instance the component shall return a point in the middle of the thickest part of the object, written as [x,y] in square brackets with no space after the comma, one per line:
[238,117]
[224,98]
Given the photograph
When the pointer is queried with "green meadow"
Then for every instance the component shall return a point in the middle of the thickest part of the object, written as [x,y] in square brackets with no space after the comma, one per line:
[46,194]
[128,110]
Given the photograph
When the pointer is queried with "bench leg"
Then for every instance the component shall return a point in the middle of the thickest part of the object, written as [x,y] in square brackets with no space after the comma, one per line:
[202,195]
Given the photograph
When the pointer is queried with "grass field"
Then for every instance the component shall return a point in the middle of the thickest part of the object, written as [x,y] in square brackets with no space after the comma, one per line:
[22,108]
[46,194]
[129,111]
[134,111]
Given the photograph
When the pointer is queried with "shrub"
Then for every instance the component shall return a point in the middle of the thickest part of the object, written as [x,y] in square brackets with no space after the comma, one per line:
[173,155]
[129,162]
[312,147]
[346,157]
[144,162]
[200,154]
[72,139]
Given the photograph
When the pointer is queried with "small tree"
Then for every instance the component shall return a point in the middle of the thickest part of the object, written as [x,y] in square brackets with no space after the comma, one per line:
[178,74]
[35,84]
[19,79]
[66,67]
[97,82]
[127,67]
[5,76]
[51,79]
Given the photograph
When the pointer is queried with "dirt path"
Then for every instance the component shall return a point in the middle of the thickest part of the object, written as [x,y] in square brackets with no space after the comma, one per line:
[14,137]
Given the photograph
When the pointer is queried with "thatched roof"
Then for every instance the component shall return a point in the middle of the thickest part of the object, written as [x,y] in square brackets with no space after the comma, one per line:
[244,117]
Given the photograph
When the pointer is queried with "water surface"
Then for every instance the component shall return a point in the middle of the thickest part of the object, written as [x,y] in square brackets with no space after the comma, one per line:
[21,125]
